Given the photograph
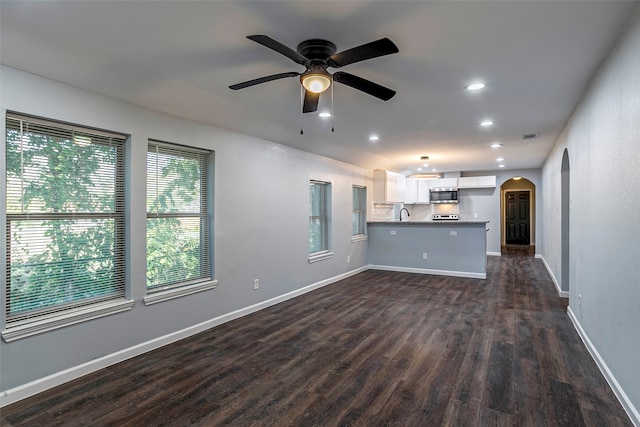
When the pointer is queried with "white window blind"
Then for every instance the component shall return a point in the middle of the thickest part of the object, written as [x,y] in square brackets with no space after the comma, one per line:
[65,218]
[318,216]
[359,213]
[178,231]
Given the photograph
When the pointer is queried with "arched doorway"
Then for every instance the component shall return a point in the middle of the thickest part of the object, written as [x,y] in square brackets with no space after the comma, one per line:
[565,208]
[517,229]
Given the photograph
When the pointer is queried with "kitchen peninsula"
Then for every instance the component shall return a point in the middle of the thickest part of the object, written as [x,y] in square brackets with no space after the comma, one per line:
[449,248]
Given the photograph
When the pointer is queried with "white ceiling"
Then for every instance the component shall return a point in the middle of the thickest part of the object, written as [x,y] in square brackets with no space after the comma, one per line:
[179,57]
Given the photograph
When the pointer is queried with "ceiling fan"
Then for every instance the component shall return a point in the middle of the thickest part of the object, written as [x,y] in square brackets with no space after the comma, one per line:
[317,55]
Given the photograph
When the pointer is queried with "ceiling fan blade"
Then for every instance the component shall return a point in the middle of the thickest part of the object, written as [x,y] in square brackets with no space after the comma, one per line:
[366,86]
[279,47]
[360,53]
[263,80]
[310,103]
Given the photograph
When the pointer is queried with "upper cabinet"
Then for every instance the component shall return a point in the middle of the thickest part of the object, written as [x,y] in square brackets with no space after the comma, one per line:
[443,183]
[424,196]
[388,187]
[417,191]
[411,191]
[477,182]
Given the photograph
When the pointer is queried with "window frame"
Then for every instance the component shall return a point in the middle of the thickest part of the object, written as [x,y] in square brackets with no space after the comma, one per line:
[324,209]
[58,315]
[205,281]
[359,208]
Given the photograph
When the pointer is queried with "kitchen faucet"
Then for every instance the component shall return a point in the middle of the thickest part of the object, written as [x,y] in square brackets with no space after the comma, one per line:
[404,209]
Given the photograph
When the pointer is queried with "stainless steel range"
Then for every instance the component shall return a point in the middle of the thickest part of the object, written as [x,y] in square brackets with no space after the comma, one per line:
[444,217]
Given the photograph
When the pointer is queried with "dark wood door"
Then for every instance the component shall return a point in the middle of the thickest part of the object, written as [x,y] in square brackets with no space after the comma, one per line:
[518,221]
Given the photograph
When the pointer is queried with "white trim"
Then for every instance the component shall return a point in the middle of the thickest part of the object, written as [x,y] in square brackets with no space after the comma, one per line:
[429,271]
[359,238]
[626,403]
[561,293]
[494,253]
[66,318]
[156,297]
[26,390]
[320,257]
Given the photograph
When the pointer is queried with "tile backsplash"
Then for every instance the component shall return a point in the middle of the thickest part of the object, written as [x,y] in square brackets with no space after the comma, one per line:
[389,212]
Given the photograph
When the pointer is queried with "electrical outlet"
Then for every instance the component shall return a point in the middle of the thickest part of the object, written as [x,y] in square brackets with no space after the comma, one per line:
[475,215]
[453,233]
[424,255]
[393,232]
[256,283]
[348,259]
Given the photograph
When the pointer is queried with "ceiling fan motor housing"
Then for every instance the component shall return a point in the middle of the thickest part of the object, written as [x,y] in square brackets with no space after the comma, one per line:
[317,49]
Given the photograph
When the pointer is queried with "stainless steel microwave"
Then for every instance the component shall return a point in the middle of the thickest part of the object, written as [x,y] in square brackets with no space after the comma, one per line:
[444,195]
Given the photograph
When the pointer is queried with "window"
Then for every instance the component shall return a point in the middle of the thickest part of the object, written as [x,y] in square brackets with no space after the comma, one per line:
[65,225]
[319,221]
[178,230]
[359,213]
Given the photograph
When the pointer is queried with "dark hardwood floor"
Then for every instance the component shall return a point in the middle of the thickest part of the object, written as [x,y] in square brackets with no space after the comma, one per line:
[377,349]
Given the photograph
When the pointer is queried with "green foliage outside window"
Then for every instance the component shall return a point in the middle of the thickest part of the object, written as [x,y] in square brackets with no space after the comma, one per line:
[63,218]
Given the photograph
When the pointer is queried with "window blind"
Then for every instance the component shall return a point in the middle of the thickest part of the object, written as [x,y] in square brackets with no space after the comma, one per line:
[65,216]
[178,236]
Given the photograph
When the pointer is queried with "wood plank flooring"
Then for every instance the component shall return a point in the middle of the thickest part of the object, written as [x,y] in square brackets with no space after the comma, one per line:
[377,349]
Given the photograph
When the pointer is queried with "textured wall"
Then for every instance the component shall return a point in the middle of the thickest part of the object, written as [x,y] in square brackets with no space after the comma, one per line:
[603,142]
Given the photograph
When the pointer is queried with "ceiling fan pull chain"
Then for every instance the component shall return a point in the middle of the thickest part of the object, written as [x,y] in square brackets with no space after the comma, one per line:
[302,92]
[332,129]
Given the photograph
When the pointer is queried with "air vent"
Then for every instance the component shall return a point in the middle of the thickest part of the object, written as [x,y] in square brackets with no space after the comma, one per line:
[529,136]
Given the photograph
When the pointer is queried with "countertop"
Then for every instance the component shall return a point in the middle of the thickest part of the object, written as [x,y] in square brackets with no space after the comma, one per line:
[446,222]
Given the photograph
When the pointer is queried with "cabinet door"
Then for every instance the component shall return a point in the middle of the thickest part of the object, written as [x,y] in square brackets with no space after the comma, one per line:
[411,191]
[424,196]
[487,181]
[400,187]
[443,183]
[468,182]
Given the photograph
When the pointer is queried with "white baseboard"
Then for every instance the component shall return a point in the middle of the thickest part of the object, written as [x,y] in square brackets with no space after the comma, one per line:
[561,293]
[429,271]
[494,253]
[26,390]
[626,403]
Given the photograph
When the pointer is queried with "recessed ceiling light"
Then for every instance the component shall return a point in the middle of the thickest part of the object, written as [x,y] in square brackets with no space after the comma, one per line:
[475,86]
[426,165]
[486,123]
[419,169]
[499,159]
[496,145]
[501,166]
[325,115]
[434,170]
[374,138]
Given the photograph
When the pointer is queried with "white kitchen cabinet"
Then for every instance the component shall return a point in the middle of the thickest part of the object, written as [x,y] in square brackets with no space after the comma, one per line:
[424,195]
[417,191]
[388,187]
[411,191]
[477,182]
[487,181]
[443,183]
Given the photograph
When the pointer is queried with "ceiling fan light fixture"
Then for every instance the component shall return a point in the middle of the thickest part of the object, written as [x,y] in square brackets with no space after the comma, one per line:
[316,82]
[475,86]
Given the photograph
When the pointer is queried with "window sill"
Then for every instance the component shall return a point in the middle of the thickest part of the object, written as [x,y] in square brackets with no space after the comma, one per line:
[165,295]
[319,256]
[359,238]
[69,317]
